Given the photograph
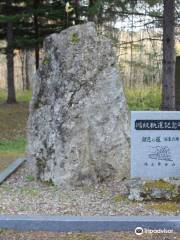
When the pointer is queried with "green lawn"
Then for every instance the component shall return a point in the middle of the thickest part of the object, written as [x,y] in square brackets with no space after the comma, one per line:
[16,146]
[13,118]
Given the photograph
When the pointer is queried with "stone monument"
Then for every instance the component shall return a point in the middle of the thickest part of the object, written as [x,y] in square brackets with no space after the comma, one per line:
[78,128]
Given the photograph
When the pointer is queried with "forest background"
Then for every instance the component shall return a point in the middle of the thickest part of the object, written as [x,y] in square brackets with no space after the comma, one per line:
[136,28]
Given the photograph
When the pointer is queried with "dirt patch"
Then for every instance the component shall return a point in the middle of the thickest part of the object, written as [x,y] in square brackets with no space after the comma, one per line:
[9,235]
[13,118]
[7,158]
[23,194]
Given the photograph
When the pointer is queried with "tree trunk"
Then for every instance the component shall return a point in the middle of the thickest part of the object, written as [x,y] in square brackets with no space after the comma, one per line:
[90,15]
[28,68]
[76,10]
[37,56]
[168,84]
[22,55]
[36,29]
[132,35]
[11,98]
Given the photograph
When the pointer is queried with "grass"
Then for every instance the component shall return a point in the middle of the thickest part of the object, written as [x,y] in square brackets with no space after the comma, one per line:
[120,198]
[29,191]
[148,98]
[10,150]
[165,207]
[22,96]
[17,145]
[13,118]
[30,178]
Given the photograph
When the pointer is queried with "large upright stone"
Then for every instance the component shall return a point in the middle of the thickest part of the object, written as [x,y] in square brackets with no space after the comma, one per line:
[78,128]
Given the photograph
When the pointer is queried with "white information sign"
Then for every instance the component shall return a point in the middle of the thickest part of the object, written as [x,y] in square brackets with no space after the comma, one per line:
[155,144]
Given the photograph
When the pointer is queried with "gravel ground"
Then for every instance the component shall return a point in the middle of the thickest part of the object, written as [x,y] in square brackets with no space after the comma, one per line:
[7,235]
[22,194]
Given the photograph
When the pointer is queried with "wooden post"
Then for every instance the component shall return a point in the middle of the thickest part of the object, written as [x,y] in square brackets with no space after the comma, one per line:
[168,83]
[177,88]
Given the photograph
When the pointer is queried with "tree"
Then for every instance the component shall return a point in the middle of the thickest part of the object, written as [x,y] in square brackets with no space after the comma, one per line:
[24,25]
[27,67]
[77,11]
[43,17]
[11,98]
[102,11]
[168,86]
[36,30]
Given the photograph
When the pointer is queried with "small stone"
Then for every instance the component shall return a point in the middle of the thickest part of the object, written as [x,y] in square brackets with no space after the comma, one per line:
[135,195]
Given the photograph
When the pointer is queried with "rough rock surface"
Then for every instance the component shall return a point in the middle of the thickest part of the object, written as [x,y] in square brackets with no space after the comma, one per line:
[78,128]
[165,189]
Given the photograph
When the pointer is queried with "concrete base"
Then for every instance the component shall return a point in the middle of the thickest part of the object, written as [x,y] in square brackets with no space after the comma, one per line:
[87,224]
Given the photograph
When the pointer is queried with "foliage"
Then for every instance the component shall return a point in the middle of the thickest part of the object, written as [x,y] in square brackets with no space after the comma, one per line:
[32,21]
[107,10]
